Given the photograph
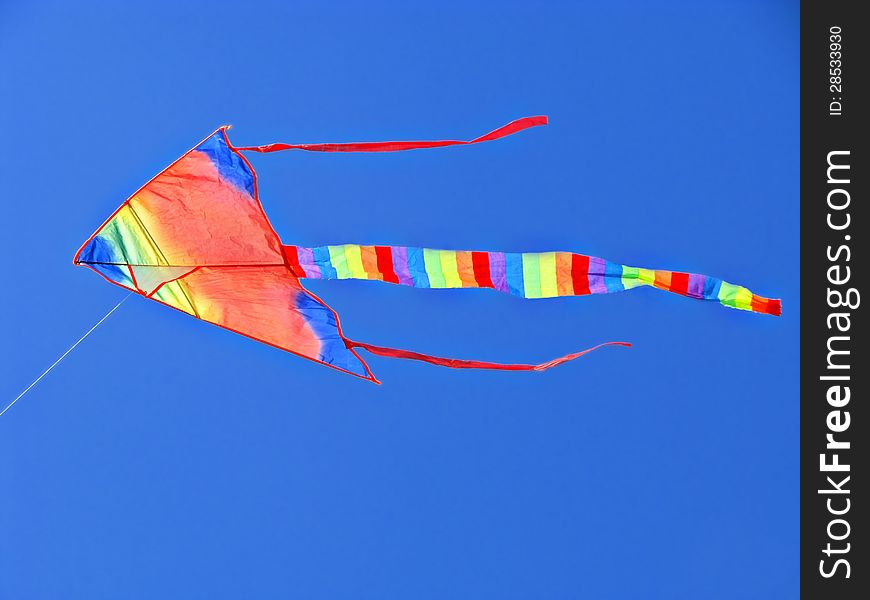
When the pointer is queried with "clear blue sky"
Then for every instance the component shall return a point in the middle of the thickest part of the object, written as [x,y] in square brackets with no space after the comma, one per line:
[166,458]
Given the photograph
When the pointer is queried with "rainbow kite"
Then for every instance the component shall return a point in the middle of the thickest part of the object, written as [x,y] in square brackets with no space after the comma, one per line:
[195,238]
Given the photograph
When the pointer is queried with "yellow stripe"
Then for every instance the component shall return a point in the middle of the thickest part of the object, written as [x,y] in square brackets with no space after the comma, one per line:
[646,276]
[743,299]
[353,254]
[450,269]
[173,295]
[549,287]
[153,251]
[133,241]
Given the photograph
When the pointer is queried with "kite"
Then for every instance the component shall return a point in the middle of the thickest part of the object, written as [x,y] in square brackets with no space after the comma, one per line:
[196,238]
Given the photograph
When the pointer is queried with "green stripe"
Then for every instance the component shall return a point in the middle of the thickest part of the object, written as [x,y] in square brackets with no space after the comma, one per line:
[728,294]
[631,277]
[532,275]
[432,259]
[339,262]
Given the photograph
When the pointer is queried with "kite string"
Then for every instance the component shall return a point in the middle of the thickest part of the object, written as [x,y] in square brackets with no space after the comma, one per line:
[62,356]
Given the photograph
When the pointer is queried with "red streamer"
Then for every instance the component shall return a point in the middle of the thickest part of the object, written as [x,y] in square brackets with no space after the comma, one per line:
[509,129]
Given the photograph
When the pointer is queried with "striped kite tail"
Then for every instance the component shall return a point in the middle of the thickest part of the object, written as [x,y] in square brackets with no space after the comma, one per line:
[527,274]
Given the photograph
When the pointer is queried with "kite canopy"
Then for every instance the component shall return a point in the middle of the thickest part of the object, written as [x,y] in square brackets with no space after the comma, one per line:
[195,238]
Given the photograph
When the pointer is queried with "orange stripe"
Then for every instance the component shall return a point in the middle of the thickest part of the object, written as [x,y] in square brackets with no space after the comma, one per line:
[759,304]
[663,280]
[564,281]
[465,267]
[370,262]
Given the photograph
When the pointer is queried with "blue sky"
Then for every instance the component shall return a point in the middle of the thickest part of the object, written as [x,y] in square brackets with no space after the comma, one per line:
[169,458]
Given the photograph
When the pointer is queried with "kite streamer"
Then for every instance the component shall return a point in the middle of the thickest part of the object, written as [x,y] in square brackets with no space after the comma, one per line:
[196,238]
[527,274]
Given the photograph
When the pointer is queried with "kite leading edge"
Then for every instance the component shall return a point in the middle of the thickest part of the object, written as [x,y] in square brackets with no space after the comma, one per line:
[196,238]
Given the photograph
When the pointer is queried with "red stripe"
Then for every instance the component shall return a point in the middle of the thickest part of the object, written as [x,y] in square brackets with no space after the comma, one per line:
[385,263]
[480,262]
[506,130]
[774,307]
[680,283]
[767,306]
[291,259]
[580,274]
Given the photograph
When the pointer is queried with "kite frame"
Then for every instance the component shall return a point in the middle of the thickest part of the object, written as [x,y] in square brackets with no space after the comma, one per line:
[369,376]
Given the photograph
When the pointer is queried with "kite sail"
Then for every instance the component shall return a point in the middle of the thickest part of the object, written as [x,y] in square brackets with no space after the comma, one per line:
[196,238]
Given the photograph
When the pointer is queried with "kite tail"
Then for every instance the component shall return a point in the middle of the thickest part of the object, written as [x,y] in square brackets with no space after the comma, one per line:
[527,275]
[456,363]
[504,131]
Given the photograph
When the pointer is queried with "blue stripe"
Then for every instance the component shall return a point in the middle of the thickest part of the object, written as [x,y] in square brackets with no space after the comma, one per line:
[229,165]
[613,277]
[417,267]
[115,273]
[711,288]
[99,250]
[514,270]
[333,350]
[321,259]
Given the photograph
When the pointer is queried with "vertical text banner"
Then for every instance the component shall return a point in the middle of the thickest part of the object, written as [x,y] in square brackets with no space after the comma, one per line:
[834,268]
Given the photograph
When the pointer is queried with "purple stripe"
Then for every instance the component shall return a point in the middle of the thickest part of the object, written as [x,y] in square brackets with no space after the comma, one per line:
[400,265]
[596,276]
[497,271]
[306,261]
[696,285]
